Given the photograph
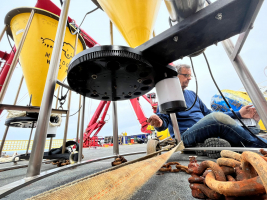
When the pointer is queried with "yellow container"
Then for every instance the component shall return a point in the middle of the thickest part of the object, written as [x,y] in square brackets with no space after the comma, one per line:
[37,48]
[164,134]
[135,19]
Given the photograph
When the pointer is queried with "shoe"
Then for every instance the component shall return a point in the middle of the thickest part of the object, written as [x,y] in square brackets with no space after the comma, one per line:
[215,142]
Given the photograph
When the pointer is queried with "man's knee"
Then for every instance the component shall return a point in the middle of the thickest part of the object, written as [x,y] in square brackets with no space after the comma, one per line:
[223,118]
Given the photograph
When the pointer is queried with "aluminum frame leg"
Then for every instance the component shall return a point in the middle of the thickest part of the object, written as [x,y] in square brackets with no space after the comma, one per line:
[175,127]
[248,81]
[3,32]
[7,128]
[78,122]
[3,141]
[81,132]
[28,146]
[115,128]
[51,139]
[36,157]
[69,103]
[16,58]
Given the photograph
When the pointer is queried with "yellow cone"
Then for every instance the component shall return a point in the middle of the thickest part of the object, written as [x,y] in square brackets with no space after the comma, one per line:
[134,18]
[37,49]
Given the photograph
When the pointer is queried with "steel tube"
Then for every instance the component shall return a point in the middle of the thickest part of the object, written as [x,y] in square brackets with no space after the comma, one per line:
[51,139]
[7,128]
[115,128]
[66,124]
[248,82]
[28,108]
[69,103]
[46,105]
[78,122]
[63,85]
[17,95]
[175,127]
[111,32]
[29,139]
[81,132]
[3,141]
[15,59]
[3,32]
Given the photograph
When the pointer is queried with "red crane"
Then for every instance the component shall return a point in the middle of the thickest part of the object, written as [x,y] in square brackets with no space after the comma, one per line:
[95,125]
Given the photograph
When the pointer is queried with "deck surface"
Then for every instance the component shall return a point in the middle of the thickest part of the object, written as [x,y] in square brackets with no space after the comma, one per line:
[160,186]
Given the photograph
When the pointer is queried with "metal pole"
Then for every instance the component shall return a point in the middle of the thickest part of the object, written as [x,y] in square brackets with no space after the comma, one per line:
[51,139]
[69,103]
[111,32]
[115,128]
[7,128]
[3,32]
[248,82]
[29,139]
[36,157]
[3,140]
[66,124]
[78,123]
[81,132]
[175,127]
[15,59]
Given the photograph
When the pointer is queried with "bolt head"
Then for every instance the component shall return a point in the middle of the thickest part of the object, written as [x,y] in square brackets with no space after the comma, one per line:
[175,38]
[218,16]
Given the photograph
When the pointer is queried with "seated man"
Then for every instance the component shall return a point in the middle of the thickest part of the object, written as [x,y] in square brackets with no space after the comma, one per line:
[200,123]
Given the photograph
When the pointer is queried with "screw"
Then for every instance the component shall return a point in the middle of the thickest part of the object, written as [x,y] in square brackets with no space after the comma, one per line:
[130,94]
[218,16]
[139,80]
[94,76]
[94,92]
[175,38]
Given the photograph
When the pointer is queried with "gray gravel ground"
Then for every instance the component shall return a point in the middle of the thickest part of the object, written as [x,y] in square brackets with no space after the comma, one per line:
[163,186]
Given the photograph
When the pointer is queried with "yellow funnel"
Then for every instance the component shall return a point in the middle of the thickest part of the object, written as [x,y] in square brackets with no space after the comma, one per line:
[37,49]
[134,18]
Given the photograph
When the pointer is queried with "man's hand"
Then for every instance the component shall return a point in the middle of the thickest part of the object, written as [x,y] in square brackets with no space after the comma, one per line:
[155,121]
[256,117]
[247,112]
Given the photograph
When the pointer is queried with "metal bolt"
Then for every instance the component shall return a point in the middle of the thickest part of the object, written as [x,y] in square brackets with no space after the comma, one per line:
[139,80]
[94,76]
[130,94]
[175,38]
[218,16]
[94,92]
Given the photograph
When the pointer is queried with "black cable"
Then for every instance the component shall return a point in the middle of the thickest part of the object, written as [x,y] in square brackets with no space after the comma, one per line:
[229,106]
[196,85]
[208,1]
[74,113]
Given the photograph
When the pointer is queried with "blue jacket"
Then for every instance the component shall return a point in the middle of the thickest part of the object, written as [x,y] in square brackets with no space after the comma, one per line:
[187,119]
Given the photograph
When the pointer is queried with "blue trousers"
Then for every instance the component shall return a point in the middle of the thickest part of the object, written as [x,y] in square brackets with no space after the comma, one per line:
[220,125]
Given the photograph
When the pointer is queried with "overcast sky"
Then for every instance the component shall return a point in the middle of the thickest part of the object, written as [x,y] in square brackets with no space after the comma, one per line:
[254,54]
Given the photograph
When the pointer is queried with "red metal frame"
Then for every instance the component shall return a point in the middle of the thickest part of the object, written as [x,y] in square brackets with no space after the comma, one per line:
[95,125]
[6,67]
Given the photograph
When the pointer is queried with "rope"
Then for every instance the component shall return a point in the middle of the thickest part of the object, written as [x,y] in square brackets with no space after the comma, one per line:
[112,183]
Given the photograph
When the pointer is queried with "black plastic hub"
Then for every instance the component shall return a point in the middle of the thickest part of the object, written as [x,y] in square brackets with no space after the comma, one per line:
[110,73]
